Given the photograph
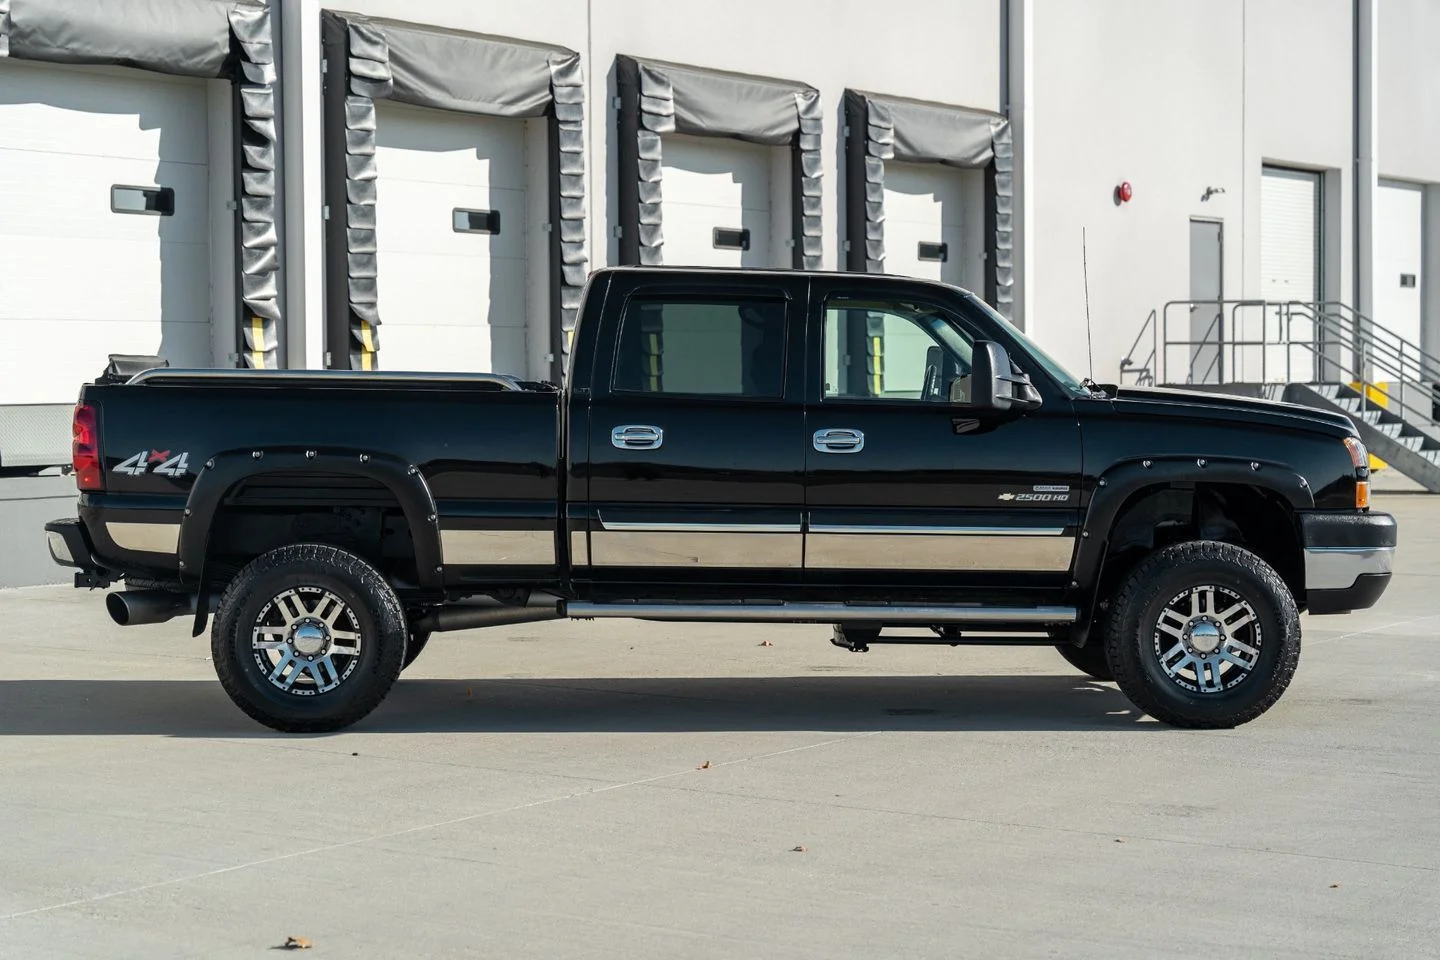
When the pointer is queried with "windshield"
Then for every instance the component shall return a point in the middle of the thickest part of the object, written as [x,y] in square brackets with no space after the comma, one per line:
[1052,367]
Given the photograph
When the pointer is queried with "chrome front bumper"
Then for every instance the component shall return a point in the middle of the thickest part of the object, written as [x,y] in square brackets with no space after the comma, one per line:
[1348,559]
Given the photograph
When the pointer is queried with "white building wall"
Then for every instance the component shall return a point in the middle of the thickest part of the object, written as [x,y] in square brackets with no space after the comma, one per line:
[1409,82]
[1409,127]
[1141,91]
[1177,97]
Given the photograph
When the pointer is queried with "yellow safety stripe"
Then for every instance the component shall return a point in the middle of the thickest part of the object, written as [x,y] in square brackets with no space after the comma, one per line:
[877,351]
[367,342]
[257,342]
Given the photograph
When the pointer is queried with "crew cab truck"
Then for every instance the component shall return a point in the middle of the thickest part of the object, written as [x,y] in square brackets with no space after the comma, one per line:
[886,456]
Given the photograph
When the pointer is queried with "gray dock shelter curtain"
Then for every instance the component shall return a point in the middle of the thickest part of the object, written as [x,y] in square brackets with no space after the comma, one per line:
[212,39]
[371,59]
[893,128]
[658,98]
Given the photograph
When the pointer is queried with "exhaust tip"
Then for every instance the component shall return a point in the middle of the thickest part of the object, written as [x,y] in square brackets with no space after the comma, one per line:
[131,608]
[118,609]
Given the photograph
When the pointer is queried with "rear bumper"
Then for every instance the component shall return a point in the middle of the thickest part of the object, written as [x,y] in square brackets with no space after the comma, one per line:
[70,546]
[1348,559]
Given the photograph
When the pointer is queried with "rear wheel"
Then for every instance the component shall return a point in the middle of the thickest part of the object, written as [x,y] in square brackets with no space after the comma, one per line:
[1203,634]
[308,638]
[1089,659]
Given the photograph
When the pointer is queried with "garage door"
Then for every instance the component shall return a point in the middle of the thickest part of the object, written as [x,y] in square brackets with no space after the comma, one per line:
[1289,263]
[450,231]
[104,225]
[1399,211]
[1290,234]
[718,195]
[934,223]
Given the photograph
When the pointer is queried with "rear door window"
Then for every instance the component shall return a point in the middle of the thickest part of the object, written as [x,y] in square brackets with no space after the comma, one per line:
[702,346]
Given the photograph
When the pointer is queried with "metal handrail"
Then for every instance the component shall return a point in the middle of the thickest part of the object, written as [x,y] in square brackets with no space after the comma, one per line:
[1405,345]
[1397,356]
[1152,324]
[1395,402]
[1372,353]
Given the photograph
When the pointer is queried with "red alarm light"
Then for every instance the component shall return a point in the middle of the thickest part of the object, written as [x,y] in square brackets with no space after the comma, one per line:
[1123,193]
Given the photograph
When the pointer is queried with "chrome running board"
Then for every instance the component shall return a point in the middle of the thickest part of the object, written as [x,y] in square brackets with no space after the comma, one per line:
[926,615]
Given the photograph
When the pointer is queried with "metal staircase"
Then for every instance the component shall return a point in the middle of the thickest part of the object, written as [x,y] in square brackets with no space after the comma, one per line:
[1324,355]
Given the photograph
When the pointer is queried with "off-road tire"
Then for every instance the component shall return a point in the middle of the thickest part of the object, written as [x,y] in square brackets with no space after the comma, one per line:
[1130,635]
[413,647]
[1090,659]
[378,613]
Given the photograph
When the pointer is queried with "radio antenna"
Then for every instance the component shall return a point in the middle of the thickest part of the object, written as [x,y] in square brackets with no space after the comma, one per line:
[1085,273]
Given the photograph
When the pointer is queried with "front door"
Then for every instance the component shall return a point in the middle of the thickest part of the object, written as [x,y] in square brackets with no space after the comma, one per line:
[910,492]
[697,441]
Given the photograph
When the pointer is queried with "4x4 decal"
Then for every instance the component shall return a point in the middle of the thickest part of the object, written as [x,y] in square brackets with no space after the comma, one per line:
[164,464]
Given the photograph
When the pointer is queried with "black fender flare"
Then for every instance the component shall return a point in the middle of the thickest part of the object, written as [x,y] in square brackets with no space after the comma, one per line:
[1114,488]
[222,472]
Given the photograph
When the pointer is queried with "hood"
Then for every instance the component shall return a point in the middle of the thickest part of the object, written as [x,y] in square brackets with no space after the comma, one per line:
[1230,408]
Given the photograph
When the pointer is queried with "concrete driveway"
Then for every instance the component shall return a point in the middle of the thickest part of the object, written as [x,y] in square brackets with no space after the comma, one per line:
[644,790]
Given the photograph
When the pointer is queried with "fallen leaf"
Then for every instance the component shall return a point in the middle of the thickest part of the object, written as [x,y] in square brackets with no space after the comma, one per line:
[297,943]
[799,849]
[704,766]
[766,643]
[1334,886]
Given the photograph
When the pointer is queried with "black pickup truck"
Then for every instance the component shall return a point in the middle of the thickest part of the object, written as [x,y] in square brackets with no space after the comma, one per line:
[884,455]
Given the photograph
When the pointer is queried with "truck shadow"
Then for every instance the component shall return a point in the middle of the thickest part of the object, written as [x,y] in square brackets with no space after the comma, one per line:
[198,708]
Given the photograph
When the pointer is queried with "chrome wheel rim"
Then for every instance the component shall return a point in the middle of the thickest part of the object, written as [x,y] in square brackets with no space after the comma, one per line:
[306,641]
[1207,639]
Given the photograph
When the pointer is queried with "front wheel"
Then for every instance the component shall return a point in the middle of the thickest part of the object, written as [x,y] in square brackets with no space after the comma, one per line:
[308,639]
[1203,634]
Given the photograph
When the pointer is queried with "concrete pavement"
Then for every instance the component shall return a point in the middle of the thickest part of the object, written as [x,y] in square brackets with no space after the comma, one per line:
[542,792]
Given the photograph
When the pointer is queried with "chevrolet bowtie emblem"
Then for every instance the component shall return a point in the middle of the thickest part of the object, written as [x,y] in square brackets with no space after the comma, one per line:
[1007,496]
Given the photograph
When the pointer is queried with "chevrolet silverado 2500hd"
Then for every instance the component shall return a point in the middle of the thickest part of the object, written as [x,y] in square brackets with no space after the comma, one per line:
[884,455]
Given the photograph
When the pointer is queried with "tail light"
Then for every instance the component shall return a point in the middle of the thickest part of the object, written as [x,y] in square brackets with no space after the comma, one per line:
[85,449]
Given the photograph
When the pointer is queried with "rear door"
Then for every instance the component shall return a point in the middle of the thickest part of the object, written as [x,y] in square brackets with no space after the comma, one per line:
[910,491]
[697,436]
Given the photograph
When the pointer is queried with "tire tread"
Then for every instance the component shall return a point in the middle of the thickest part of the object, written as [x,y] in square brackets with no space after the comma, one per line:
[1123,627]
[387,613]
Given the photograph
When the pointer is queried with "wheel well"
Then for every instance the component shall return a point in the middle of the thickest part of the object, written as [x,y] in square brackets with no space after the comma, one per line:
[1247,516]
[267,511]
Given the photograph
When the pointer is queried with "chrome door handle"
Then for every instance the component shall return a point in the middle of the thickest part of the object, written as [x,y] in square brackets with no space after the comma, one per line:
[839,440]
[637,436]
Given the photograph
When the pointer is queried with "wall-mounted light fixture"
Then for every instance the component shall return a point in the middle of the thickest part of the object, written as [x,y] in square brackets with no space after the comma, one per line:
[1123,193]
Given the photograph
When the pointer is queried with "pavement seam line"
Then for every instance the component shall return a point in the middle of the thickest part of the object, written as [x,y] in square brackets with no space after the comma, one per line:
[420,829]
[1368,630]
[1018,825]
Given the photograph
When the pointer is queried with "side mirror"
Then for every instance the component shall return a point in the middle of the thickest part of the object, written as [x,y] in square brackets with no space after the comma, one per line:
[994,384]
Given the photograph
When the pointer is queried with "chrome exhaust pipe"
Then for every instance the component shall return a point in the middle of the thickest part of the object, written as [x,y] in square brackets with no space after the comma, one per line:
[131,608]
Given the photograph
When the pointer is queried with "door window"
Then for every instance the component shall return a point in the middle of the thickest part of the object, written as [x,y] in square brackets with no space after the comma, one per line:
[702,347]
[895,351]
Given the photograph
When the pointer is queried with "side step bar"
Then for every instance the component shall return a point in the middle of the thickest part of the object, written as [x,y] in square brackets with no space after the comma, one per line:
[925,615]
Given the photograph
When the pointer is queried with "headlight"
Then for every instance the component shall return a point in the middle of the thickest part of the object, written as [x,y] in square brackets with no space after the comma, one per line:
[1359,456]
[1360,460]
